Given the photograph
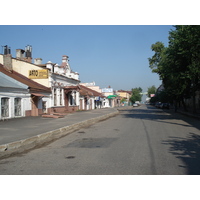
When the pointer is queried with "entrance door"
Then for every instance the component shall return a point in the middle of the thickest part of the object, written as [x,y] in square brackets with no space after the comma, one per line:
[44,106]
[34,111]
[66,102]
[85,103]
[81,104]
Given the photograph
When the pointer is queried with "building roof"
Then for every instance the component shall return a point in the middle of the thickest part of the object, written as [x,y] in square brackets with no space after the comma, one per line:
[71,88]
[129,92]
[6,81]
[87,91]
[19,77]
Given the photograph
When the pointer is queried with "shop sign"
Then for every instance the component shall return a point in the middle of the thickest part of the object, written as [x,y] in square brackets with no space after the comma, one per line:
[107,90]
[38,74]
[97,98]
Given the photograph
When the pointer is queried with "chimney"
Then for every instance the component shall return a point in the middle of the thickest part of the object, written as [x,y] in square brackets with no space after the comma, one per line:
[7,58]
[6,50]
[28,53]
[25,55]
[38,61]
[20,54]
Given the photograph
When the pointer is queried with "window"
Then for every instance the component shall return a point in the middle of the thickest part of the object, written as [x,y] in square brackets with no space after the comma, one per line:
[55,97]
[74,98]
[17,106]
[70,99]
[5,107]
[61,97]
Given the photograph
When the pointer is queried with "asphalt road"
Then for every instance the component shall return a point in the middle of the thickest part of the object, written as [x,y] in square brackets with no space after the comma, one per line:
[138,141]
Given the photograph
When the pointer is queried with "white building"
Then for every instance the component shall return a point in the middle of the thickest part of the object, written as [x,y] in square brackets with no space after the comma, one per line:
[64,84]
[14,98]
[108,102]
[90,99]
[60,79]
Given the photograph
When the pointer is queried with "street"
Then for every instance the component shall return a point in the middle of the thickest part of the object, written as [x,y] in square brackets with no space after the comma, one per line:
[139,141]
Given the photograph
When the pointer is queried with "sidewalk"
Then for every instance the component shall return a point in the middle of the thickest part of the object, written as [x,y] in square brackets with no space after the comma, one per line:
[189,113]
[21,134]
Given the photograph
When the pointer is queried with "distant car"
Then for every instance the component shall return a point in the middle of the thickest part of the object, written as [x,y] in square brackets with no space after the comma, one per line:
[137,102]
[135,105]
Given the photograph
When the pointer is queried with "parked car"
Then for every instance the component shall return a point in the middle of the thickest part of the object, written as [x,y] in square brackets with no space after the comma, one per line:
[135,105]
[158,105]
[138,103]
[164,105]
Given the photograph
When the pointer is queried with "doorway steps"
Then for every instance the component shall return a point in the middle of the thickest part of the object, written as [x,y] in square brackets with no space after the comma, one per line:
[54,115]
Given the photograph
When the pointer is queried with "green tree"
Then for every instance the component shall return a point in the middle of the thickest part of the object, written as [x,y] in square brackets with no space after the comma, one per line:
[155,62]
[178,64]
[168,66]
[123,100]
[151,90]
[136,95]
[184,43]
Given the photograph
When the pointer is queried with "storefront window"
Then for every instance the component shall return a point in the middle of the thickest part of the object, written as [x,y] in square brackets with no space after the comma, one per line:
[17,106]
[5,107]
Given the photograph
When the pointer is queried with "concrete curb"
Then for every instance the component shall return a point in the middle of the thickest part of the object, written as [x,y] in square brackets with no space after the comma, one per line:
[21,146]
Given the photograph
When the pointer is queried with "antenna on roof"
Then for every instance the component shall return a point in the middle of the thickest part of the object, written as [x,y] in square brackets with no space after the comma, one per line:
[28,51]
[6,50]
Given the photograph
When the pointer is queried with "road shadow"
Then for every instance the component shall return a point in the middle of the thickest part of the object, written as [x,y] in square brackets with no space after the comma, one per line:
[188,150]
[185,148]
[159,115]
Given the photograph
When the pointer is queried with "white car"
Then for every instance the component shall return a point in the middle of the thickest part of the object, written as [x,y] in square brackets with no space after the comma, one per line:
[135,105]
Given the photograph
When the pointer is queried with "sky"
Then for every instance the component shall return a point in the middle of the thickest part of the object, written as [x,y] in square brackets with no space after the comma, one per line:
[109,55]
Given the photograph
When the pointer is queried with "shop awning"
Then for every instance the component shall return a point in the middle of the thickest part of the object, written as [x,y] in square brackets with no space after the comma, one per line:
[111,96]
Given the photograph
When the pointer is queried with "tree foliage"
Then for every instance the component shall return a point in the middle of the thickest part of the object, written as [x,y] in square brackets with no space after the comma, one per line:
[178,65]
[151,90]
[136,96]
[161,96]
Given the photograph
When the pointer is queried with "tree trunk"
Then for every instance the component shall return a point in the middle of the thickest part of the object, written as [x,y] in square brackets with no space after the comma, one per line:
[193,102]
[184,106]
[175,106]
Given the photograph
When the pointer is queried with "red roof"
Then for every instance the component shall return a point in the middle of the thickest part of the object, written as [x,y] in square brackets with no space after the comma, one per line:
[21,78]
[71,88]
[87,91]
